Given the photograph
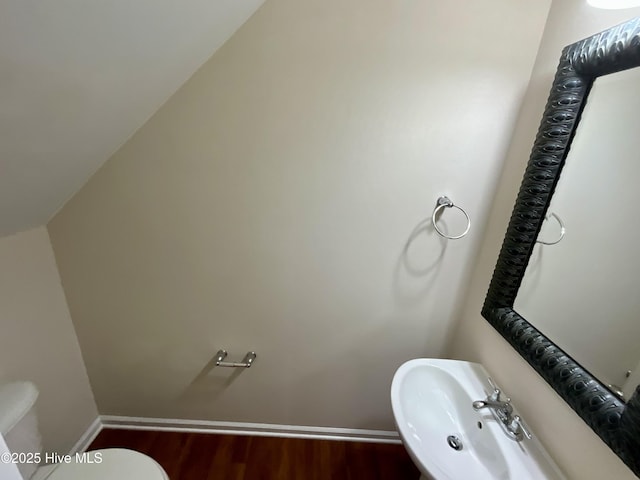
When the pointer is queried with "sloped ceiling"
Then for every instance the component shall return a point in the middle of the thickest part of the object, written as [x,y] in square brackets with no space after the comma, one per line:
[78,78]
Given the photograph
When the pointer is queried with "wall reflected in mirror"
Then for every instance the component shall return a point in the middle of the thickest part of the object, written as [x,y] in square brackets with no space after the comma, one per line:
[584,291]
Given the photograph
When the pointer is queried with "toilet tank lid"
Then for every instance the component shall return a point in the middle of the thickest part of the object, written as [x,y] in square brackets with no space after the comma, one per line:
[16,398]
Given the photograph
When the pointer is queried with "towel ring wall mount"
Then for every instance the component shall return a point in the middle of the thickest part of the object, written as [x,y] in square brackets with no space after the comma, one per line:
[442,203]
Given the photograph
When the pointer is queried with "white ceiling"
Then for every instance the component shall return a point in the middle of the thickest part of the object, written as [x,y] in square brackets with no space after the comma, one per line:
[78,78]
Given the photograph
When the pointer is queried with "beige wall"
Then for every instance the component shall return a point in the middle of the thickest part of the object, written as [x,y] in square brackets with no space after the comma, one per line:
[266,206]
[38,342]
[575,447]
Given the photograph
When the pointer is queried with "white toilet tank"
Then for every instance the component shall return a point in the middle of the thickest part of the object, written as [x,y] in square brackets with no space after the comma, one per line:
[18,422]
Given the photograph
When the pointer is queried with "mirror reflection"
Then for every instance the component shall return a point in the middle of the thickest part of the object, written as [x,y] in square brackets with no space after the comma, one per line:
[582,291]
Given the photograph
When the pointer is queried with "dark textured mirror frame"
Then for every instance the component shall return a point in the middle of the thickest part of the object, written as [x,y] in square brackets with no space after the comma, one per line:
[617,423]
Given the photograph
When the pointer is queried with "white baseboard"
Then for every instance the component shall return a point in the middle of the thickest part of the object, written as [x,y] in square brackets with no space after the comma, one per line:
[87,437]
[256,429]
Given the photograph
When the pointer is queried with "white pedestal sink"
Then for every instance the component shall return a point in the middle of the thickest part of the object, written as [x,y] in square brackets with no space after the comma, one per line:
[447,439]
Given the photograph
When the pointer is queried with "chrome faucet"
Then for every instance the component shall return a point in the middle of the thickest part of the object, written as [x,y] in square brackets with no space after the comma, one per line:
[502,410]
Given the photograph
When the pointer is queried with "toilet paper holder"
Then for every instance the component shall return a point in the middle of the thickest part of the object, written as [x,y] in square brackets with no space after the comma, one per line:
[246,362]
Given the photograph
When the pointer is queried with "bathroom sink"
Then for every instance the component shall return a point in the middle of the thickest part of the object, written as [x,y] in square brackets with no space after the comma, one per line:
[447,439]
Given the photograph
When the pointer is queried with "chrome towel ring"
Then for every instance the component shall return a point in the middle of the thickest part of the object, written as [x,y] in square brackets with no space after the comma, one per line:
[445,202]
[562,230]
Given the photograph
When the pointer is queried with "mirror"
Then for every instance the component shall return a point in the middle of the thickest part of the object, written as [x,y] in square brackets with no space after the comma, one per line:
[568,306]
[589,277]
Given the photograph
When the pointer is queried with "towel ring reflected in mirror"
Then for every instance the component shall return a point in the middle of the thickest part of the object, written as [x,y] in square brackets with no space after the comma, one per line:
[562,230]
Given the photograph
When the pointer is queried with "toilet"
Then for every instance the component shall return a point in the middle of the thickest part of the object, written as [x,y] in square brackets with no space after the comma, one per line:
[19,427]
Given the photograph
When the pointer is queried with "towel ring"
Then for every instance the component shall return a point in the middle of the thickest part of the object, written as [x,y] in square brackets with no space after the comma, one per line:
[562,230]
[446,202]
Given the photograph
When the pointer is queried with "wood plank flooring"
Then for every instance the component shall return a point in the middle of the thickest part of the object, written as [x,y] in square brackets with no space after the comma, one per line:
[199,456]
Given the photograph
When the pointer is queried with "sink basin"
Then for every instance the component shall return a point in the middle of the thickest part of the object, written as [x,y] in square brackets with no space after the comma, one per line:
[447,439]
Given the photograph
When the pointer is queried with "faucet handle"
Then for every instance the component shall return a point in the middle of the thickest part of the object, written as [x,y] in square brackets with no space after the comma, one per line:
[517,426]
[495,396]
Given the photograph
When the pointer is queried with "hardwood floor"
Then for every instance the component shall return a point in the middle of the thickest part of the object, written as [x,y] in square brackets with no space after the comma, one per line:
[199,456]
